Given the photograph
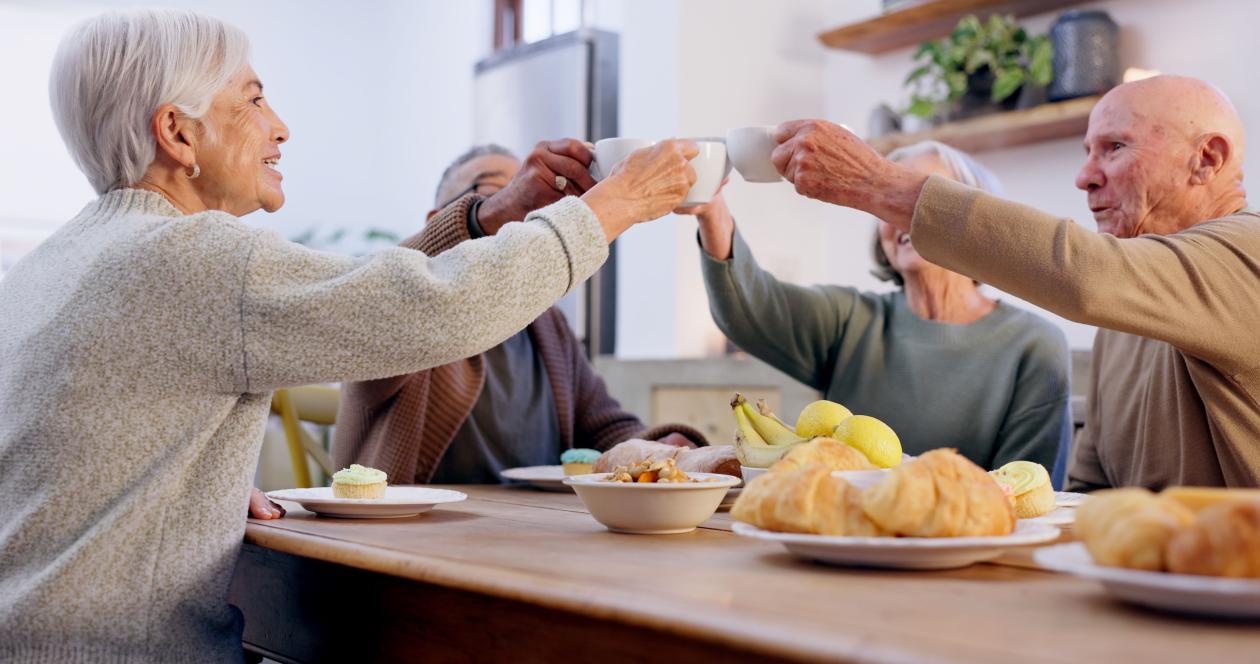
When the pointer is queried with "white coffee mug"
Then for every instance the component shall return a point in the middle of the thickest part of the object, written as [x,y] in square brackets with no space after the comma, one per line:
[711,166]
[749,149]
[610,151]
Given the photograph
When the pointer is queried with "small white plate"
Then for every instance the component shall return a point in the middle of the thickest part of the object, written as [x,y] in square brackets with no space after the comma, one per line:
[1062,517]
[399,501]
[1069,498]
[547,478]
[1182,593]
[903,552]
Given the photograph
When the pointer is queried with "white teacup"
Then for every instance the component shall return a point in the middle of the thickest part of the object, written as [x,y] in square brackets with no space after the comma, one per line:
[749,149]
[711,167]
[611,151]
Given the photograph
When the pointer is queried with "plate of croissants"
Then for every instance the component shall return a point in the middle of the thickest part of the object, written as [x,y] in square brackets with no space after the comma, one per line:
[937,511]
[1185,549]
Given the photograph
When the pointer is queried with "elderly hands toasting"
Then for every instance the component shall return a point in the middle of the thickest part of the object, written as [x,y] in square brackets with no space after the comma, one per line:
[1169,278]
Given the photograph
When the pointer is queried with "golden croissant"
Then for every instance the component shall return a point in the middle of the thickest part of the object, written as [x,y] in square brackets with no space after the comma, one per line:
[1223,541]
[939,494]
[804,500]
[829,452]
[1130,527]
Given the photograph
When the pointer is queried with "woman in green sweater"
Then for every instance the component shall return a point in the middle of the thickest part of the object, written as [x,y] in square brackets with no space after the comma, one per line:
[939,361]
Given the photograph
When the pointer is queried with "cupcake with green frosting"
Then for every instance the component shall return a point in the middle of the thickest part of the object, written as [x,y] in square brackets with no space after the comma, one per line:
[580,461]
[359,482]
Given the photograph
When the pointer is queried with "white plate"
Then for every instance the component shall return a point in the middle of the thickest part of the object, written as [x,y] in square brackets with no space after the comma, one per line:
[1062,517]
[903,552]
[547,478]
[1183,593]
[399,501]
[1069,498]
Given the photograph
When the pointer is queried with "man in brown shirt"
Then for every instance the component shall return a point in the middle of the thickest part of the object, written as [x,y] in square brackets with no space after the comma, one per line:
[518,404]
[1172,276]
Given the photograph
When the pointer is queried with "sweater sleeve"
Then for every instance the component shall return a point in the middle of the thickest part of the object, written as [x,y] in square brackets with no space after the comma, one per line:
[1195,290]
[309,316]
[795,329]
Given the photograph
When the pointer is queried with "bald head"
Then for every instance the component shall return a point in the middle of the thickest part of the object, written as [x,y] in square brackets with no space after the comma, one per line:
[1163,154]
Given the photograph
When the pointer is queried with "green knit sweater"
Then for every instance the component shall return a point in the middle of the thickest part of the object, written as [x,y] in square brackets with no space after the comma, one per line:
[138,351]
[995,389]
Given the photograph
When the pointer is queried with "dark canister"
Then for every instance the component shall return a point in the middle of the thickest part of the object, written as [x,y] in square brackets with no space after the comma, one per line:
[1086,54]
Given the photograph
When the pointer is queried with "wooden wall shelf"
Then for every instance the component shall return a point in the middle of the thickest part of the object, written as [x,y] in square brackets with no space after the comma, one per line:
[921,22]
[1002,130]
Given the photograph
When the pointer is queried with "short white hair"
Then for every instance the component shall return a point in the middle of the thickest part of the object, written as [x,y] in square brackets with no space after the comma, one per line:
[963,166]
[113,71]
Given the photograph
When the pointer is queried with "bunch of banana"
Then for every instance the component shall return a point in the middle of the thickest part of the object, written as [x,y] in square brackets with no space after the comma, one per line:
[761,438]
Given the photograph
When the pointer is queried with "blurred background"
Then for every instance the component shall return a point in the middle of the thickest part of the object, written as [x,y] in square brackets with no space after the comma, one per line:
[380,96]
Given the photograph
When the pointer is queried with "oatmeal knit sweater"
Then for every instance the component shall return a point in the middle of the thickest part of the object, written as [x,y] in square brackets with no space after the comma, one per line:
[138,351]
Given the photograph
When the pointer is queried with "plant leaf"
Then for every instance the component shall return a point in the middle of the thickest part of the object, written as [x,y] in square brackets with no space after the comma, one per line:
[918,73]
[1007,81]
[956,81]
[1041,67]
[921,107]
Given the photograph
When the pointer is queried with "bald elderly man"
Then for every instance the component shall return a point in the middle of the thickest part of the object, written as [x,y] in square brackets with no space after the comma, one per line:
[1172,277]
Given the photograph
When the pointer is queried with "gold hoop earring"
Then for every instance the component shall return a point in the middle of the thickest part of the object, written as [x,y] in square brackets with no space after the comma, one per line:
[195,173]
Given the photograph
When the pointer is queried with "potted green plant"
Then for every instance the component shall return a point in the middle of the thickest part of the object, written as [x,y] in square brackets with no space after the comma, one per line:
[980,67]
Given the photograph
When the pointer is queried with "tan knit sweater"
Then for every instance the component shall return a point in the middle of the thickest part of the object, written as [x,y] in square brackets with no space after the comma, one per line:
[138,351]
[403,425]
[1175,395]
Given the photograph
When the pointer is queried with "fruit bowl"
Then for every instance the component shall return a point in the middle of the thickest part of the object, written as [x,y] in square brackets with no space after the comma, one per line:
[654,508]
[749,473]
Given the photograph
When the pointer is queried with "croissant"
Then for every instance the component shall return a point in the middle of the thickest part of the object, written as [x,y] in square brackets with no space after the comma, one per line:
[1224,541]
[939,494]
[1130,527]
[830,452]
[804,500]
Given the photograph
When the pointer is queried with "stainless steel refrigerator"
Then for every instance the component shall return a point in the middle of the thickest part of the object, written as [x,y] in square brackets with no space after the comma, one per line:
[561,87]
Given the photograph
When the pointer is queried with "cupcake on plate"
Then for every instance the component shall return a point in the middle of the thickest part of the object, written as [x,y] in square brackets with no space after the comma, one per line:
[359,482]
[580,461]
[1030,484]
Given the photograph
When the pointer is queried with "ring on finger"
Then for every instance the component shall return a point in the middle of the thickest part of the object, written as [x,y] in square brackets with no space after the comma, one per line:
[561,182]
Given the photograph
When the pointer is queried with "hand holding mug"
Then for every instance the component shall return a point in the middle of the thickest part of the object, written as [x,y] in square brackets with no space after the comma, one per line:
[551,163]
[645,185]
[827,162]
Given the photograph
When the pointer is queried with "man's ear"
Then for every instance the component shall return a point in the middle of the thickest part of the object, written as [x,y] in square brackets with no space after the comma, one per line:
[431,214]
[1213,154]
[175,135]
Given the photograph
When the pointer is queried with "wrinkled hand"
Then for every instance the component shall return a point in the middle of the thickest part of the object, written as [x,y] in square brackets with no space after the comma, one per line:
[534,186]
[827,162]
[716,225]
[676,439]
[646,185]
[260,507]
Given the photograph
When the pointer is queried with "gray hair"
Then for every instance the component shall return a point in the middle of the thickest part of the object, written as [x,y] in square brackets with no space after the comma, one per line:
[448,175]
[113,71]
[962,167]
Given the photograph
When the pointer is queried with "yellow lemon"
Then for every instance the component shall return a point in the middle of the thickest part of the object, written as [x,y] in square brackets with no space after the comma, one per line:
[820,419]
[871,437]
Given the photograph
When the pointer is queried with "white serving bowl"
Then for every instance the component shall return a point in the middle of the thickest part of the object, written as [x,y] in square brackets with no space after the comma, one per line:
[749,473]
[651,508]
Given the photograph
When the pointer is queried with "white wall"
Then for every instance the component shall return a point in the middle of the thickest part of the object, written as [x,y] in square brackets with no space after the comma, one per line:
[377,96]
[1210,39]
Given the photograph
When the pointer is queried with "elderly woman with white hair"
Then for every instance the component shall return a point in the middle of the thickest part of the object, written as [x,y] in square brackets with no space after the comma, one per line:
[984,376]
[140,344]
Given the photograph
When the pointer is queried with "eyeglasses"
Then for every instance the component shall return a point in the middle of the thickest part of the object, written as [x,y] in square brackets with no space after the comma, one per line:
[477,187]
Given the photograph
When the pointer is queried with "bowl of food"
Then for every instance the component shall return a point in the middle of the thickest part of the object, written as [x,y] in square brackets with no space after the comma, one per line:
[651,498]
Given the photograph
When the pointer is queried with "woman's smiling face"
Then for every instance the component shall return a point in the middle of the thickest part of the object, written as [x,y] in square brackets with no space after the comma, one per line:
[239,148]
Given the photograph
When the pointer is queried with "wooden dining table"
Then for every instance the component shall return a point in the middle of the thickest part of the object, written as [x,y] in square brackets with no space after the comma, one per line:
[514,574]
